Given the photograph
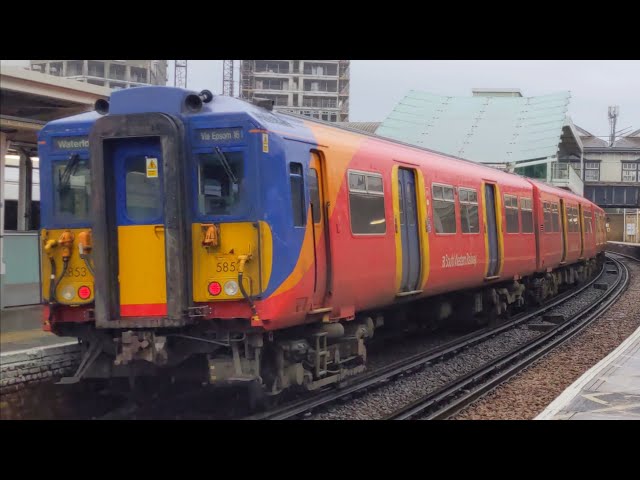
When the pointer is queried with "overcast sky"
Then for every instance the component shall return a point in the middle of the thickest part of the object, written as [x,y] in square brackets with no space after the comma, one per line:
[377,85]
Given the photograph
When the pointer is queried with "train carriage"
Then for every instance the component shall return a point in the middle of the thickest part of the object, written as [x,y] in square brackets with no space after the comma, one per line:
[209,238]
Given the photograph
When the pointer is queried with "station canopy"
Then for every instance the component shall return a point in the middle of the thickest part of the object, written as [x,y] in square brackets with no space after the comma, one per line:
[486,128]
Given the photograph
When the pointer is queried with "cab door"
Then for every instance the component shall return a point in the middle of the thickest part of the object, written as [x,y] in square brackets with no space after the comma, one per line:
[137,166]
[139,219]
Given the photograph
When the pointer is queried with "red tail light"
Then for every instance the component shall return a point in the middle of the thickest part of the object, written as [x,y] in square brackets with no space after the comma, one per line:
[84,292]
[215,288]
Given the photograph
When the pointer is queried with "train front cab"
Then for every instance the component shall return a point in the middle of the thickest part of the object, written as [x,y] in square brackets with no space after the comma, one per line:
[176,234]
[174,225]
[65,235]
[230,230]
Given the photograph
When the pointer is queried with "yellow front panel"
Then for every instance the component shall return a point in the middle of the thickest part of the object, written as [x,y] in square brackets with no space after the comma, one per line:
[76,275]
[141,263]
[220,263]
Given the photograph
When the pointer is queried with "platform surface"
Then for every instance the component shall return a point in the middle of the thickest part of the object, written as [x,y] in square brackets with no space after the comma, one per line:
[608,391]
[21,329]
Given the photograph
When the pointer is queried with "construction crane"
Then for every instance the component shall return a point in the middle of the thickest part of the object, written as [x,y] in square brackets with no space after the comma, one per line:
[180,74]
[227,77]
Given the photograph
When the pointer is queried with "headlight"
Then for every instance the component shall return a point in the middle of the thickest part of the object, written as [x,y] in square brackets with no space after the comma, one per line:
[231,288]
[68,292]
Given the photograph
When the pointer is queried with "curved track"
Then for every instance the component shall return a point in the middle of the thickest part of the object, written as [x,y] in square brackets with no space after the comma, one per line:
[446,401]
[408,365]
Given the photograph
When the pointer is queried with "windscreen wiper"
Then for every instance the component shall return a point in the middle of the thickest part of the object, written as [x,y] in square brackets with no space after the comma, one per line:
[69,169]
[226,166]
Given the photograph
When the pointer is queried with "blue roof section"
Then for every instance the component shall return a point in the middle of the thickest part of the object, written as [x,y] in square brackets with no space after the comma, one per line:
[170,100]
[75,119]
[147,99]
[482,129]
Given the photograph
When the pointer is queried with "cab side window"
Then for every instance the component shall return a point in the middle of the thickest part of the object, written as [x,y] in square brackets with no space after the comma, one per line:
[297,194]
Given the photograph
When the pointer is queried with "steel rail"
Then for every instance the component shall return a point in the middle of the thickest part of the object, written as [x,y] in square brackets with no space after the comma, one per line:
[453,397]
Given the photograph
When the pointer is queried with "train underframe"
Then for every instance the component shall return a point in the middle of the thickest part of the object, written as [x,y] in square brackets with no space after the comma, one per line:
[307,357]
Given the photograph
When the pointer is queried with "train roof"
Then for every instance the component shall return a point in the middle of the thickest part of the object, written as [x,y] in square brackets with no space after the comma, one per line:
[74,119]
[545,187]
[458,163]
[170,100]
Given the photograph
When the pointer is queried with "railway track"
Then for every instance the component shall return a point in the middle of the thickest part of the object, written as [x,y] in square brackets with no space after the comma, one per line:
[453,397]
[416,362]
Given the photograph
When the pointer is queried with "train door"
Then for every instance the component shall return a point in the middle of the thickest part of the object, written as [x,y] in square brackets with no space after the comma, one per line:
[563,229]
[491,229]
[582,228]
[319,229]
[411,259]
[140,208]
[139,216]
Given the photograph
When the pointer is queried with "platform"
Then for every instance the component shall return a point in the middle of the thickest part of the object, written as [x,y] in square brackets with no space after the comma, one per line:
[608,391]
[21,329]
[631,249]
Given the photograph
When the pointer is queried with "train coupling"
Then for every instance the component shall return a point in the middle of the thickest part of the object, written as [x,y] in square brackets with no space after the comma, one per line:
[141,345]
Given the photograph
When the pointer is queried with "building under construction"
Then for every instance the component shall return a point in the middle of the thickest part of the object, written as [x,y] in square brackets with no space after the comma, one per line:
[114,74]
[315,88]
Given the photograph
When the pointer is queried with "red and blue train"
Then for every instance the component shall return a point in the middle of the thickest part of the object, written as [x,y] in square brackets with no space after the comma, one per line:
[205,237]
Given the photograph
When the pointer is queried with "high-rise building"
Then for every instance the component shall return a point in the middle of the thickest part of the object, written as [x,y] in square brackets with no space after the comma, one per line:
[315,88]
[114,74]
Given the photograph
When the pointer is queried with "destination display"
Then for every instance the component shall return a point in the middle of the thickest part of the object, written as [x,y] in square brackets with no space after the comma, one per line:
[219,135]
[70,143]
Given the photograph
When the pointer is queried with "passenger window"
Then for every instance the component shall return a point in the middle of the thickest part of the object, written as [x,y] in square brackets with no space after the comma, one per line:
[569,219]
[444,209]
[469,211]
[511,213]
[297,194]
[548,224]
[366,203]
[555,217]
[374,184]
[587,222]
[411,208]
[401,202]
[356,182]
[573,220]
[144,200]
[314,195]
[526,214]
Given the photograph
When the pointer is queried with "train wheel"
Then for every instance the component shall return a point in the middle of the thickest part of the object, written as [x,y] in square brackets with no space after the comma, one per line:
[259,399]
[256,396]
